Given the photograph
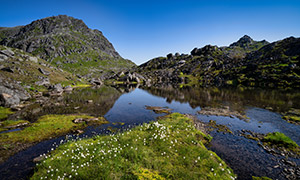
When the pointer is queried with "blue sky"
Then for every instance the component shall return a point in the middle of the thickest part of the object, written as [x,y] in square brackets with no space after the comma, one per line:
[142,29]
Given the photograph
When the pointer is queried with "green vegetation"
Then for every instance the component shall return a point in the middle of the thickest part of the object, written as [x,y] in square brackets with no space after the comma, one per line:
[292,118]
[10,124]
[4,112]
[170,148]
[281,140]
[260,178]
[45,127]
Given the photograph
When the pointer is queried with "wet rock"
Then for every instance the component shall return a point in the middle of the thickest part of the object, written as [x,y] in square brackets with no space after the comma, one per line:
[78,131]
[225,111]
[159,110]
[47,73]
[38,159]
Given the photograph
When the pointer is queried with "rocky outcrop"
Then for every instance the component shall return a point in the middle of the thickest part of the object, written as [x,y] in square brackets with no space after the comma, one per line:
[246,62]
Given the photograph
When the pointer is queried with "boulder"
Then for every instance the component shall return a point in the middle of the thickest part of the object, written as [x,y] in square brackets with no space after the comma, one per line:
[3,57]
[68,89]
[8,69]
[47,73]
[12,94]
[8,100]
[33,59]
[7,52]
[56,88]
[96,81]
[170,55]
[43,82]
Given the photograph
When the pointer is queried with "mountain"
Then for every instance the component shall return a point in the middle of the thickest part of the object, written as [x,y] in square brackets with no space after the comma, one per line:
[246,62]
[67,43]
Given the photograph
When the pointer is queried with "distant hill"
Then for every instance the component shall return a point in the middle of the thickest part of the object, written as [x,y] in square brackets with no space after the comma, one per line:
[67,43]
[246,62]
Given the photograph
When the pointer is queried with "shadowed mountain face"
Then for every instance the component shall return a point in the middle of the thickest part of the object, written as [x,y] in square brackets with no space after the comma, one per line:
[66,42]
[246,62]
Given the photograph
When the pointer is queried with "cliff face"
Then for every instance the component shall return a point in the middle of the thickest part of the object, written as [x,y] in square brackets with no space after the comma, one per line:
[246,62]
[66,42]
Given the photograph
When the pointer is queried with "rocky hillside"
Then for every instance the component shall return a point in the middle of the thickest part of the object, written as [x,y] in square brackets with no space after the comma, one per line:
[67,43]
[246,62]
[23,75]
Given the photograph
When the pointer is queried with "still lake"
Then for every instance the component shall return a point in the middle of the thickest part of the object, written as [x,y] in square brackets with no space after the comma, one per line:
[127,105]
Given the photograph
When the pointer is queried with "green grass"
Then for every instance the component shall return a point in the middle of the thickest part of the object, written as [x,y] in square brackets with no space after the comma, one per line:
[280,139]
[45,127]
[4,112]
[170,148]
[5,125]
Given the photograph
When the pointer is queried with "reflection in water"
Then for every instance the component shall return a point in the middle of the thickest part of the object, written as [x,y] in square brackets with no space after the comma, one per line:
[277,100]
[127,105]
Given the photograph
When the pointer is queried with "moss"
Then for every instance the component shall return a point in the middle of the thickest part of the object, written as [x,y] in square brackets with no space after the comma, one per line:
[4,112]
[171,148]
[281,140]
[9,124]
[292,118]
[44,128]
[260,178]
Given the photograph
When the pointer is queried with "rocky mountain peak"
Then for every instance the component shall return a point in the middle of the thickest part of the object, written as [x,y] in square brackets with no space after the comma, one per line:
[243,41]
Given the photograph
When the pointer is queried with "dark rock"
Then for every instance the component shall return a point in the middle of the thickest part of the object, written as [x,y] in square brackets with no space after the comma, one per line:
[47,73]
[8,69]
[169,56]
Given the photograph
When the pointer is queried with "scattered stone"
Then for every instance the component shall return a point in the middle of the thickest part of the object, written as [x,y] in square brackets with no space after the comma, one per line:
[56,88]
[17,125]
[96,81]
[76,107]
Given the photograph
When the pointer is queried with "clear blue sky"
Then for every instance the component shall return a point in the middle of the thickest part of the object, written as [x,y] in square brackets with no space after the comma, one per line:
[144,29]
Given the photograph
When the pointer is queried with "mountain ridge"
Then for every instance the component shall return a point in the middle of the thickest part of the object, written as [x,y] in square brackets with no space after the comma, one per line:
[246,62]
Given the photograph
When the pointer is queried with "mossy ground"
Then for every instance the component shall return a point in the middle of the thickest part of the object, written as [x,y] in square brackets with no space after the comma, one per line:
[45,127]
[4,112]
[6,125]
[281,140]
[260,178]
[170,148]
